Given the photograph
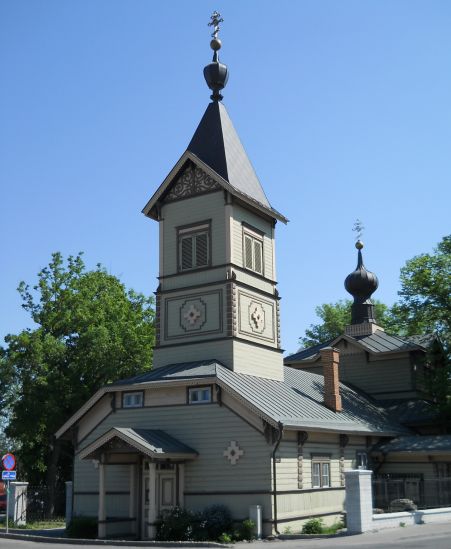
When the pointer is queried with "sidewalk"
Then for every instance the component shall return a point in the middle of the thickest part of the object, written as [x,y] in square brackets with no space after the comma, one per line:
[425,536]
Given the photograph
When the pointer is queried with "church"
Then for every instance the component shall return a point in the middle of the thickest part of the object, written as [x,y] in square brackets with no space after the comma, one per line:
[220,418]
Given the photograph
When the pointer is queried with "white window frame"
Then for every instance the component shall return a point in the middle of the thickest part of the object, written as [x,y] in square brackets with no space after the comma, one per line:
[191,232]
[137,399]
[322,464]
[255,239]
[204,392]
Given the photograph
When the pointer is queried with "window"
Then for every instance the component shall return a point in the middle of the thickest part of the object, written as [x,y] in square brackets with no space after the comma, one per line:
[320,472]
[253,252]
[132,400]
[199,395]
[361,460]
[193,246]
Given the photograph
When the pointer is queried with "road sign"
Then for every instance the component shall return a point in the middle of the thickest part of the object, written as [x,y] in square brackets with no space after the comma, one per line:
[9,462]
[8,475]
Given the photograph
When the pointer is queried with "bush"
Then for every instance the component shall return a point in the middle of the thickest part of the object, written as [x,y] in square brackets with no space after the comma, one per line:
[225,538]
[82,528]
[183,525]
[175,525]
[247,530]
[218,520]
[313,526]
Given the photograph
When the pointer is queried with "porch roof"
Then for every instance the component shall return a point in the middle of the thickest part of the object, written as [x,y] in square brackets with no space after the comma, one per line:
[150,442]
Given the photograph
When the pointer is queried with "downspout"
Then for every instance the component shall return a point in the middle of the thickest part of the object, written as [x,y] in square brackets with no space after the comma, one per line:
[274,473]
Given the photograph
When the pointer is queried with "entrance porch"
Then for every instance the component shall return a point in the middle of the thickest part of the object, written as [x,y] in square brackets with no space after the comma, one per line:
[156,464]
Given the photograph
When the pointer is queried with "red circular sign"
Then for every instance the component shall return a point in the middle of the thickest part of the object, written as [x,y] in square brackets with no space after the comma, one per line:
[9,462]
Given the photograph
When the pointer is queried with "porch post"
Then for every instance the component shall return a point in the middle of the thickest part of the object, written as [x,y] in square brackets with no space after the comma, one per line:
[181,479]
[152,500]
[102,513]
[132,502]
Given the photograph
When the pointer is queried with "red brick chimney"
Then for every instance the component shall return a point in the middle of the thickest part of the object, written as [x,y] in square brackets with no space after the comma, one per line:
[330,359]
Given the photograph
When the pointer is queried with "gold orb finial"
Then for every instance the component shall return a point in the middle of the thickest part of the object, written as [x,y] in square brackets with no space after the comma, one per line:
[359,244]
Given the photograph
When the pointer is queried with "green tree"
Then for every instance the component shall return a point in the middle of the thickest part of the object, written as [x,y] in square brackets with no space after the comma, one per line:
[89,331]
[335,316]
[425,295]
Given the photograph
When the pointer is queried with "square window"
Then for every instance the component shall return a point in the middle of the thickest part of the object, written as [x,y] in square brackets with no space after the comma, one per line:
[253,252]
[193,245]
[132,400]
[199,395]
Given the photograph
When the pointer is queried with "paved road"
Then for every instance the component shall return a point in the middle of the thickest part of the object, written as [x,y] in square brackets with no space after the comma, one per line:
[426,536]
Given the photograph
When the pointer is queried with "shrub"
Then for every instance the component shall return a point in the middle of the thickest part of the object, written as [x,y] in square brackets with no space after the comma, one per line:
[82,527]
[313,526]
[182,525]
[247,530]
[218,520]
[175,525]
[225,538]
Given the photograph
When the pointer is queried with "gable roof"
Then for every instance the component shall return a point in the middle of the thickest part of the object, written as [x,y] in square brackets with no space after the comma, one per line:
[377,343]
[151,442]
[217,149]
[296,402]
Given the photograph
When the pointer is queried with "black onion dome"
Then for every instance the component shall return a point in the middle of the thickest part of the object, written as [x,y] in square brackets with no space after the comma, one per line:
[216,74]
[361,283]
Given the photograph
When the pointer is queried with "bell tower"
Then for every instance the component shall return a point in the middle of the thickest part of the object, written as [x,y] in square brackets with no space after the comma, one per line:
[217,298]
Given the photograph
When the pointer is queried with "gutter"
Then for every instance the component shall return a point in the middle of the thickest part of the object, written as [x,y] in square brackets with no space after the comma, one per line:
[274,474]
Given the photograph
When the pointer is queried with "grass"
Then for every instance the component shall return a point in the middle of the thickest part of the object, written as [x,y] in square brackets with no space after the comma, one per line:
[38,524]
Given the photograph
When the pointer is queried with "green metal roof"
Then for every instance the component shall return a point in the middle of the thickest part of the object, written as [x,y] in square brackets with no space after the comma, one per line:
[297,402]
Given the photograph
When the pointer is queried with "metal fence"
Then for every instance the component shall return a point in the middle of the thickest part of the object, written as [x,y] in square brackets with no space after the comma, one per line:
[426,493]
[40,505]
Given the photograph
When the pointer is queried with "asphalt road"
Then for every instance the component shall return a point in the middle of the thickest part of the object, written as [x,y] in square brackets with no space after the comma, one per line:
[426,536]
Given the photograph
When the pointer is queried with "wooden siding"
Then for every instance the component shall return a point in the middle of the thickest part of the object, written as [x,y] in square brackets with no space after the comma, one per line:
[193,210]
[95,415]
[376,377]
[165,396]
[209,429]
[203,350]
[288,473]
[257,361]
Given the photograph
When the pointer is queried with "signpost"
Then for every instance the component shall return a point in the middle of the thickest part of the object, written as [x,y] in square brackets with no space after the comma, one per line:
[9,464]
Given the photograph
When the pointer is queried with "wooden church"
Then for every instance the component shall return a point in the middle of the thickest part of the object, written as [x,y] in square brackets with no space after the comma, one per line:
[220,419]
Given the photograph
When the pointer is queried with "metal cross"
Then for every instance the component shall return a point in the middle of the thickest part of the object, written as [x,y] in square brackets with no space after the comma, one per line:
[215,20]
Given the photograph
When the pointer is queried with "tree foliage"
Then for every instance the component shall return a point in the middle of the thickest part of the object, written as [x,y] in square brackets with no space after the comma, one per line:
[424,305]
[89,331]
[425,295]
[335,316]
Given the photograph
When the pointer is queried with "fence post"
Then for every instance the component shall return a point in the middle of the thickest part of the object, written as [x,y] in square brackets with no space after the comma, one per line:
[18,502]
[359,501]
[68,502]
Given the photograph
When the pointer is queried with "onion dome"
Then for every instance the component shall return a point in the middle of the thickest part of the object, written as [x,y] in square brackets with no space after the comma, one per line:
[216,74]
[361,284]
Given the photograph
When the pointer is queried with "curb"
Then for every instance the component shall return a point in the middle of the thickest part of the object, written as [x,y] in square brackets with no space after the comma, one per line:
[112,542]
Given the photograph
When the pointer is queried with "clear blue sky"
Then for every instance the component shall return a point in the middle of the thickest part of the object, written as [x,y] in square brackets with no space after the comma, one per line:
[344,109]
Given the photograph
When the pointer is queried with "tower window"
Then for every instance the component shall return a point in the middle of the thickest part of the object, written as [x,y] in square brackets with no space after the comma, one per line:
[253,252]
[193,246]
